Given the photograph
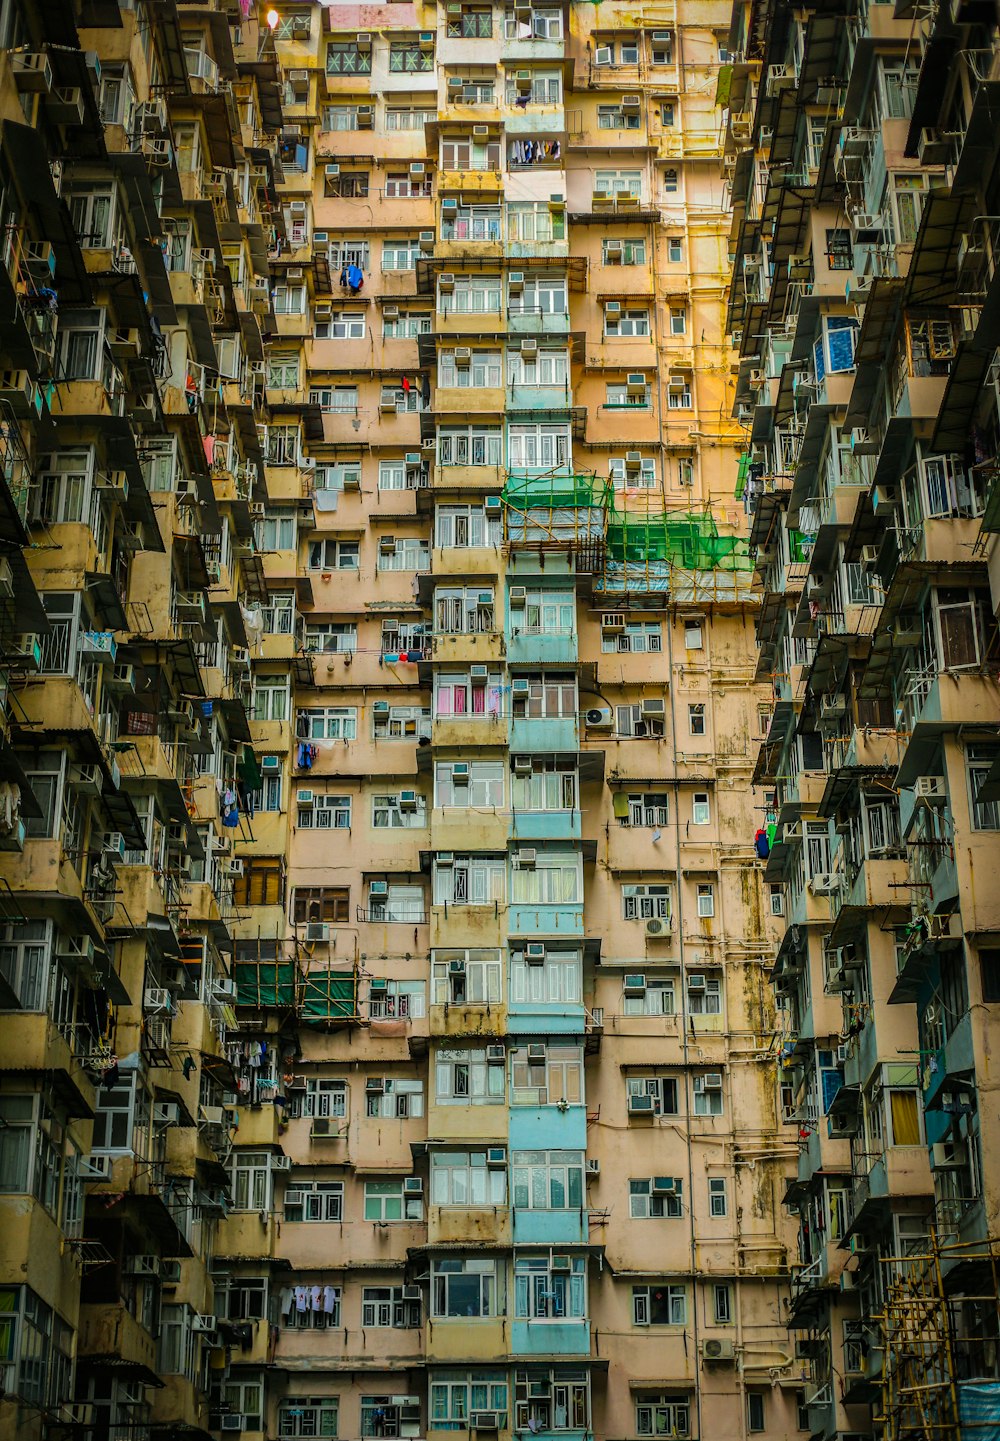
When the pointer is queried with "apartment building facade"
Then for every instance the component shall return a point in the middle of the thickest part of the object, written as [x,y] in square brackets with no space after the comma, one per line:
[862,167]
[390,721]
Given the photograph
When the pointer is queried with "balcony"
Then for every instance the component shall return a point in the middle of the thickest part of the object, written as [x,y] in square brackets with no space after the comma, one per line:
[536,735]
[529,645]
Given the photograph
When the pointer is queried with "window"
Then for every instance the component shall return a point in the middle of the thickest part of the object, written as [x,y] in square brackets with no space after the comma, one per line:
[467,697]
[675,249]
[325,813]
[545,1291]
[348,185]
[241,1398]
[324,1317]
[312,1417]
[658,1198]
[283,372]
[678,320]
[696,718]
[679,392]
[722,1305]
[453,1398]
[550,786]
[756,1412]
[251,1181]
[839,252]
[328,723]
[261,884]
[639,637]
[532,222]
[989,972]
[718,1196]
[340,117]
[484,368]
[620,395]
[706,901]
[318,903]
[464,1288]
[906,194]
[276,532]
[406,57]
[383,1306]
[400,185]
[466,1077]
[81,344]
[543,25]
[467,154]
[404,118]
[315,1200]
[389,812]
[386,1201]
[659,1306]
[546,1075]
[463,527]
[557,981]
[693,639]
[241,1298]
[466,977]
[663,1090]
[552,878]
[400,253]
[330,638]
[708,1094]
[547,1180]
[657,999]
[472,445]
[624,323]
[344,58]
[389,1099]
[549,695]
[410,324]
[670,182]
[472,222]
[406,553]
[833,352]
[120,1110]
[613,117]
[460,610]
[648,809]
[335,399]
[545,367]
[979,758]
[464,1178]
[540,294]
[701,810]
[398,722]
[30,1163]
[776,898]
[646,902]
[476,880]
[267,797]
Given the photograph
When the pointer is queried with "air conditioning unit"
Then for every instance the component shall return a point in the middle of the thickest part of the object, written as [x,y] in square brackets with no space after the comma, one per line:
[634,985]
[536,1051]
[933,147]
[413,1186]
[869,556]
[885,499]
[656,928]
[407,800]
[529,347]
[664,1185]
[378,889]
[523,766]
[443,859]
[463,357]
[593,1166]
[484,1421]
[496,1056]
[526,858]
[157,999]
[641,1106]
[114,845]
[281,1162]
[600,719]
[652,709]
[270,764]
[204,1325]
[31,71]
[480,132]
[613,621]
[317,933]
[696,983]
[234,867]
[375,1086]
[932,790]
[518,596]
[712,1081]
[718,1350]
[460,773]
[426,41]
[233,1422]
[534,953]
[496,1156]
[322,1126]
[630,102]
[823,884]
[446,281]
[515,282]
[613,308]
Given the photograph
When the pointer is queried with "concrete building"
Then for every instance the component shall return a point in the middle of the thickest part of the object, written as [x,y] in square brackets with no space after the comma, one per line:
[862,165]
[369,469]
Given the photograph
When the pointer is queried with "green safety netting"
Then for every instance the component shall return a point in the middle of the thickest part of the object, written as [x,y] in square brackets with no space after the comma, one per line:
[691,542]
[264,983]
[329,996]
